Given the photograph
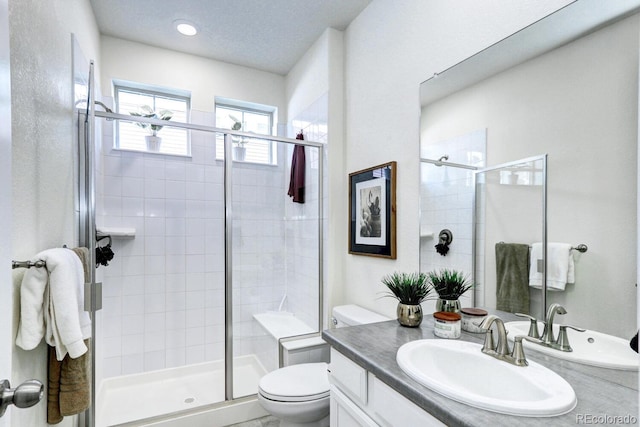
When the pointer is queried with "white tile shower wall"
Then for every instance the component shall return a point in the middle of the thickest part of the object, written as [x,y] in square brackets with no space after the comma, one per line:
[447,202]
[164,290]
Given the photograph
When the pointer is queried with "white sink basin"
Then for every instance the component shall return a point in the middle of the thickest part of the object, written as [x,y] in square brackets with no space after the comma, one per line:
[589,347]
[460,371]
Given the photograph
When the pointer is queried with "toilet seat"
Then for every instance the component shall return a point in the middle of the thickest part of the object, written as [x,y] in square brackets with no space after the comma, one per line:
[296,383]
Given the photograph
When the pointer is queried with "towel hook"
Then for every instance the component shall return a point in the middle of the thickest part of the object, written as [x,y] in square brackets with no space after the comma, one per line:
[444,240]
[104,254]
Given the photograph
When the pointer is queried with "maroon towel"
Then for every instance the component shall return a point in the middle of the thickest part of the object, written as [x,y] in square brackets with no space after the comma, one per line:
[296,184]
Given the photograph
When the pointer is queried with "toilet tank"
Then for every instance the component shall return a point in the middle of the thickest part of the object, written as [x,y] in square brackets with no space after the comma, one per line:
[351,314]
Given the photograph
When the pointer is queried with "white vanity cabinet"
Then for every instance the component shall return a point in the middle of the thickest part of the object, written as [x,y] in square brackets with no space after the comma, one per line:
[359,399]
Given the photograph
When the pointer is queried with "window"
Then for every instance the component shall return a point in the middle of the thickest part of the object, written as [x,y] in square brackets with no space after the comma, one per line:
[247,120]
[130,136]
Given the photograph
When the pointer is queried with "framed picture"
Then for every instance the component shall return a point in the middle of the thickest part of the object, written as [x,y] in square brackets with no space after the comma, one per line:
[372,211]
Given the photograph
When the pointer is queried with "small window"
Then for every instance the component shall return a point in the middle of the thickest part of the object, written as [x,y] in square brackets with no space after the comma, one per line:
[130,136]
[246,120]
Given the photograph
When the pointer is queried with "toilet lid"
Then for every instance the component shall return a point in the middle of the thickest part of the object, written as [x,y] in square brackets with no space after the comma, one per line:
[296,383]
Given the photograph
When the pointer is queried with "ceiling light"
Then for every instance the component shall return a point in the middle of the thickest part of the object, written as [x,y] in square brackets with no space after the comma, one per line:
[186,28]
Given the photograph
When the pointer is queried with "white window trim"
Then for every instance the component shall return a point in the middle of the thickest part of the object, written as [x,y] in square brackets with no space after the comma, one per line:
[154,91]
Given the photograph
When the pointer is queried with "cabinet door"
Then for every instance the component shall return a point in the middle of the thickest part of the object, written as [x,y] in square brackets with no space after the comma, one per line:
[389,408]
[345,413]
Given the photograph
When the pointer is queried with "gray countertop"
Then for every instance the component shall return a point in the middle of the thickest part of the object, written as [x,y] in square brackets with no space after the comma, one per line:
[599,391]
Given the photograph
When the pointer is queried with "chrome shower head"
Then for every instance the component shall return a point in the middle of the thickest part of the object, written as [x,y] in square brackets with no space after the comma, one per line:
[107,109]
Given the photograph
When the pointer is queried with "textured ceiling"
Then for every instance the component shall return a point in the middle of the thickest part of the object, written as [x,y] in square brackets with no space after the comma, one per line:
[269,35]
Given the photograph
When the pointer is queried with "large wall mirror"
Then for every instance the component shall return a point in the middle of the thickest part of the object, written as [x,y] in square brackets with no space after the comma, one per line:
[557,105]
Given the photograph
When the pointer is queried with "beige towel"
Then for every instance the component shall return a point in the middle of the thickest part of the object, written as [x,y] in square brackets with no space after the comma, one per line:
[69,390]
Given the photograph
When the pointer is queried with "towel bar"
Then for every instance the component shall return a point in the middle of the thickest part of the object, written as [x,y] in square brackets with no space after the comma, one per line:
[580,248]
[27,264]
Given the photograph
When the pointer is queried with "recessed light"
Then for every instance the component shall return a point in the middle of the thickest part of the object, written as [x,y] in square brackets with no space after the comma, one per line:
[186,28]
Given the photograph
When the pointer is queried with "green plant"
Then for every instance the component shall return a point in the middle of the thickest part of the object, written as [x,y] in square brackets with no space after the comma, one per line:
[408,288]
[449,284]
[147,112]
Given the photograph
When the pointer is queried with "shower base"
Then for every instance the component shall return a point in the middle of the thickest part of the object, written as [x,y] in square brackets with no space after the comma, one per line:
[130,399]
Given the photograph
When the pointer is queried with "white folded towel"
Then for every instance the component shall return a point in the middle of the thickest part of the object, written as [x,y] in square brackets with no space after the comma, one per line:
[560,266]
[52,305]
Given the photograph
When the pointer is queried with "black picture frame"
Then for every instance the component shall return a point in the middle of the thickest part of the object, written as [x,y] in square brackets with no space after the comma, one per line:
[372,211]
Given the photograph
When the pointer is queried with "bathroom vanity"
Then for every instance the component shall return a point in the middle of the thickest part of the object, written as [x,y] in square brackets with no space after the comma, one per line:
[369,388]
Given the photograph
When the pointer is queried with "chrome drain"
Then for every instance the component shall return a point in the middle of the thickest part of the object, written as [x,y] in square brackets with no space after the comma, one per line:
[190,400]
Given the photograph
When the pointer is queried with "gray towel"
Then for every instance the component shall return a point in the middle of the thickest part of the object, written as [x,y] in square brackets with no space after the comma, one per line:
[512,276]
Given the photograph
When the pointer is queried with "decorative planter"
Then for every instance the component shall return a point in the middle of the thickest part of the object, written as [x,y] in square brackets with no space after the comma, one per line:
[409,314]
[449,305]
[239,152]
[153,142]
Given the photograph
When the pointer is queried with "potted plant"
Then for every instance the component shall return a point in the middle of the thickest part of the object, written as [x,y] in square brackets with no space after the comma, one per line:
[449,284]
[410,289]
[153,140]
[239,150]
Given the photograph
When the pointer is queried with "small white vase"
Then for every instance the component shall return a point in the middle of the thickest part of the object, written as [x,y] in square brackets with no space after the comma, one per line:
[239,152]
[153,142]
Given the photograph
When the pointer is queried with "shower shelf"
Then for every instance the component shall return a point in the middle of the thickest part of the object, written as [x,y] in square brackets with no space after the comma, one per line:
[427,234]
[116,232]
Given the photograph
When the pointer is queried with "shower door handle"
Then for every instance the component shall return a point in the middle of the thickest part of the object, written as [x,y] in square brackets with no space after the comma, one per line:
[25,395]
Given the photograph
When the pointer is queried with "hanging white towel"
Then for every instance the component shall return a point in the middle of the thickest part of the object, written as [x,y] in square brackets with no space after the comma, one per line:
[560,266]
[52,305]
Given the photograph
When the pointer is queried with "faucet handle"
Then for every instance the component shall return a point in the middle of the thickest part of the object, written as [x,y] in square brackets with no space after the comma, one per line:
[533,327]
[518,351]
[563,338]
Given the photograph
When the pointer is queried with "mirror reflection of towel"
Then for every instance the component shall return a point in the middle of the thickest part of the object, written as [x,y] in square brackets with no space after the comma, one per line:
[560,266]
[296,183]
[512,277]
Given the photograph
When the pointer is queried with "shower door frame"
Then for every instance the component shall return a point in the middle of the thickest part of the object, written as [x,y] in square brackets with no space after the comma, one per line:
[476,171]
[87,227]
[540,158]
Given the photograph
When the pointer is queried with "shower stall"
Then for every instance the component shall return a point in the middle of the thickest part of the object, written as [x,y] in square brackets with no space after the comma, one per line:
[214,268]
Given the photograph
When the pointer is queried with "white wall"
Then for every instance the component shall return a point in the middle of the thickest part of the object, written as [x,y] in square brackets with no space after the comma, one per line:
[43,159]
[389,50]
[579,104]
[315,92]
[204,78]
[6,292]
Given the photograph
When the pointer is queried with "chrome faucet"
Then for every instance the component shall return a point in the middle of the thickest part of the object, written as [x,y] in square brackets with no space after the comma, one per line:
[547,334]
[501,349]
[548,338]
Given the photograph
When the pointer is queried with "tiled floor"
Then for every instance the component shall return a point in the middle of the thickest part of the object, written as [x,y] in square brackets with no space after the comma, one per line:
[267,421]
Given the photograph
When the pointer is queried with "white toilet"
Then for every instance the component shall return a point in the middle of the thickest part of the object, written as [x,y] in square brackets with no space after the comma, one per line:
[298,395]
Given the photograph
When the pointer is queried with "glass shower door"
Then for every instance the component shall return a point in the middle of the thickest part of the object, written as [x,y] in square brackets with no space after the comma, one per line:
[160,337]
[510,209]
[275,263]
